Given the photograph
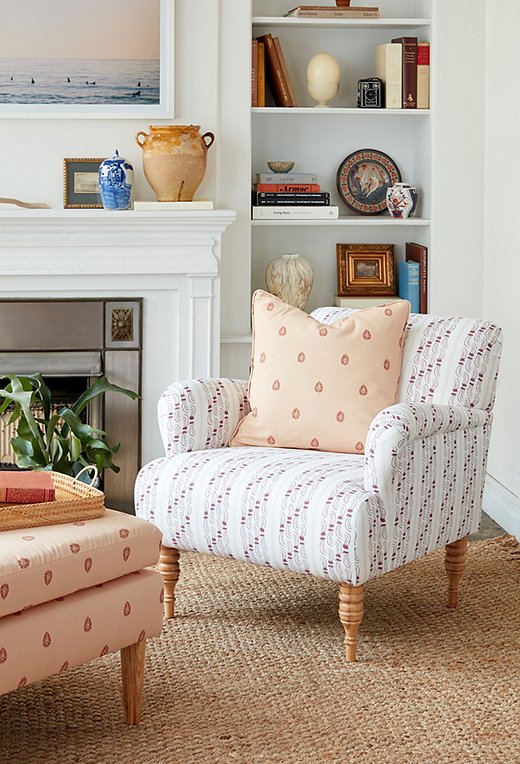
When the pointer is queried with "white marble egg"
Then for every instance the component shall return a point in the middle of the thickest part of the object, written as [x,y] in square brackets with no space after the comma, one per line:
[322,68]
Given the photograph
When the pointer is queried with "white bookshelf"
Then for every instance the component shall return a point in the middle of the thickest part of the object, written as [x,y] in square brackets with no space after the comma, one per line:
[343,111]
[318,140]
[277,22]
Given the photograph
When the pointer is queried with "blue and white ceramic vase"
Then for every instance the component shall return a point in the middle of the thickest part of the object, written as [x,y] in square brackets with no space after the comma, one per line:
[401,200]
[116,177]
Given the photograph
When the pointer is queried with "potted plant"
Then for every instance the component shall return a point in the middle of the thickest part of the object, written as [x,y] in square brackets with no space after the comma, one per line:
[59,441]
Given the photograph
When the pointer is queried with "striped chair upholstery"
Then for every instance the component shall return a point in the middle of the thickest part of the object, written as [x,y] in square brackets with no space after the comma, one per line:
[345,517]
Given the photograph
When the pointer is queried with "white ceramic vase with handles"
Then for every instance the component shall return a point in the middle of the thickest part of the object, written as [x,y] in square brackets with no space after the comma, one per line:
[290,278]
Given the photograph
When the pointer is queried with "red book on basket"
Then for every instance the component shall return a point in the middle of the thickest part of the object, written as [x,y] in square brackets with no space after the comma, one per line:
[26,487]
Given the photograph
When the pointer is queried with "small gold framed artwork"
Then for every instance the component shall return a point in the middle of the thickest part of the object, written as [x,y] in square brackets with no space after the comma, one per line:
[80,184]
[366,269]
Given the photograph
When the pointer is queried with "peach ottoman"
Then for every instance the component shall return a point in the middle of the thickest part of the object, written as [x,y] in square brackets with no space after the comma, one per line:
[73,592]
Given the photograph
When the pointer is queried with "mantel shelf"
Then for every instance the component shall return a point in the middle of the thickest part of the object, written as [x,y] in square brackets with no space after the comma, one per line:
[122,230]
[340,110]
[349,220]
[123,227]
[291,21]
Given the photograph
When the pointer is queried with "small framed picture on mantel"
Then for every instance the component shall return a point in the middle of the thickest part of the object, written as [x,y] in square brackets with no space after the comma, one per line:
[81,184]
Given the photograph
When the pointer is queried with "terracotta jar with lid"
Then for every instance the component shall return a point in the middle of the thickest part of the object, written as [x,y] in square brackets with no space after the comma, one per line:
[174,160]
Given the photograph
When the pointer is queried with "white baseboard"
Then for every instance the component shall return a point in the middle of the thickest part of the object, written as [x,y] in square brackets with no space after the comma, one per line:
[502,505]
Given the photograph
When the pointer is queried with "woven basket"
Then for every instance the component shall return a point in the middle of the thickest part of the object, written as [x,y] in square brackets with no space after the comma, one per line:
[74,501]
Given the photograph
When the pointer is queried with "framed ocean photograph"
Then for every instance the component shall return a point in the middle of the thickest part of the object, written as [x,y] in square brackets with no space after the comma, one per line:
[87,58]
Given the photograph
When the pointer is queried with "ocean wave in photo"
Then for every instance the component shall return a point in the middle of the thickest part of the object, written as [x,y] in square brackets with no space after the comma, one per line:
[79,81]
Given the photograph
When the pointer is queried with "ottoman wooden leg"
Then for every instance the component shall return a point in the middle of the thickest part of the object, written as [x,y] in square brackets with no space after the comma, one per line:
[169,570]
[350,615]
[132,674]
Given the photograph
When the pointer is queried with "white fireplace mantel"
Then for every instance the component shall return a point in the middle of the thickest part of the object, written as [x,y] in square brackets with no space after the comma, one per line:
[170,259]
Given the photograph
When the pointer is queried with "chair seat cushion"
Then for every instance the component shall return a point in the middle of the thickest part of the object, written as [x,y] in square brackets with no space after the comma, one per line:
[40,564]
[293,509]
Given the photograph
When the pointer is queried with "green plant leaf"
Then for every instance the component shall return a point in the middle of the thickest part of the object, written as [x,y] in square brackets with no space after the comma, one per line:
[101,385]
[24,398]
[75,448]
[22,447]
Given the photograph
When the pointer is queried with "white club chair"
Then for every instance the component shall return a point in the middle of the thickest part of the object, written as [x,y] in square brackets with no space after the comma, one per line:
[348,518]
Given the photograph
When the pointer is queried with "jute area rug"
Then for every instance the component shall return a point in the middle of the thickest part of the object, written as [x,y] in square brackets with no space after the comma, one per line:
[252,670]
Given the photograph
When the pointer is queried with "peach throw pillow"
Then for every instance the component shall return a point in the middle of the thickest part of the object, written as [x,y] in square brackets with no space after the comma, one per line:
[319,386]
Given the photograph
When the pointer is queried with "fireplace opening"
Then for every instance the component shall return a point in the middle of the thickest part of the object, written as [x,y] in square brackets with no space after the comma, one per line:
[72,343]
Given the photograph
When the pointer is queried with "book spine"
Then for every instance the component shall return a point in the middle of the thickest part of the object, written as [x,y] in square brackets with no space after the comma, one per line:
[389,69]
[418,253]
[285,71]
[262,198]
[254,73]
[288,188]
[12,495]
[295,213]
[409,284]
[283,177]
[261,74]
[423,75]
[293,202]
[339,14]
[274,72]
[409,69]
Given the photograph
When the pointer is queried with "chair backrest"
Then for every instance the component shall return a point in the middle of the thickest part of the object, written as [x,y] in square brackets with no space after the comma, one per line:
[445,360]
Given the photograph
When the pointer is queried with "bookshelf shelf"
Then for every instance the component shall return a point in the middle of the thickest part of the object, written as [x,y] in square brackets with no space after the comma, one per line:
[283,21]
[407,113]
[350,220]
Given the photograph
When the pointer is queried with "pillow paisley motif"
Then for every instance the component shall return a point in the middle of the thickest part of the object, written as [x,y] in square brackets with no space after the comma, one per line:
[319,386]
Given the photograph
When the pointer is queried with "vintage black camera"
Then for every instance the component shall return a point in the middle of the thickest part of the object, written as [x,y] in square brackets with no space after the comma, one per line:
[370,93]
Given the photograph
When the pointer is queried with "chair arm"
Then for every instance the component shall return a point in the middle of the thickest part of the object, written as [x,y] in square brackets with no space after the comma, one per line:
[401,429]
[201,413]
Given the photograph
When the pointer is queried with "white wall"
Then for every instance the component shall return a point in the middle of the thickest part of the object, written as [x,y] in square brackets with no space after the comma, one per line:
[31,161]
[502,242]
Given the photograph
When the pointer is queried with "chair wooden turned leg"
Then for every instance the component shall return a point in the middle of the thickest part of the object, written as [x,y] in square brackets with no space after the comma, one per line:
[350,615]
[169,570]
[132,674]
[454,564]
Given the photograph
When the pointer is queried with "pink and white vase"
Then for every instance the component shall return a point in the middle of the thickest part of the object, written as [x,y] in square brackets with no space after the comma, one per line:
[401,200]
[290,278]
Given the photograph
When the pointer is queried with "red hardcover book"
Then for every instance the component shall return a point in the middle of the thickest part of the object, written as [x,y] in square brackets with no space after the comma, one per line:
[275,75]
[26,487]
[409,85]
[288,188]
[418,253]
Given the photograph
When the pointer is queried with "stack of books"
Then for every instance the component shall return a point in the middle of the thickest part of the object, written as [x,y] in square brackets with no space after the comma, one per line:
[404,67]
[269,68]
[333,12]
[291,195]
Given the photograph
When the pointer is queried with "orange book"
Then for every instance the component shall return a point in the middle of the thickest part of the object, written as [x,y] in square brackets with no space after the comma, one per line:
[19,487]
[288,188]
[260,74]
[254,73]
